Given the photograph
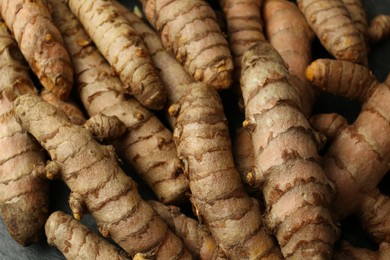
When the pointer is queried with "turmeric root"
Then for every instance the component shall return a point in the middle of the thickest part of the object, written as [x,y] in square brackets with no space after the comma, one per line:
[76,241]
[196,236]
[123,48]
[245,27]
[357,179]
[218,197]
[330,125]
[379,28]
[24,202]
[40,42]
[93,174]
[147,144]
[289,33]
[287,164]
[332,23]
[190,31]
[73,112]
[358,16]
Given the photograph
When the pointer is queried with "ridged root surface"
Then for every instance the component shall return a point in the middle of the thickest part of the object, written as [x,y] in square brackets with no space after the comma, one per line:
[297,193]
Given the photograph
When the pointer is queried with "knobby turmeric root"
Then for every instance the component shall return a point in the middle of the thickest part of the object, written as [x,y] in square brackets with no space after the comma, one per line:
[245,27]
[76,241]
[358,179]
[196,236]
[190,31]
[289,33]
[347,251]
[123,48]
[297,193]
[147,145]
[24,195]
[40,42]
[332,23]
[97,182]
[218,196]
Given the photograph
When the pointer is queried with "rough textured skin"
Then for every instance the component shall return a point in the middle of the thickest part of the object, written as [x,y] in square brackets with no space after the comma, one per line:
[297,193]
[171,72]
[218,196]
[76,241]
[24,202]
[70,108]
[40,42]
[94,176]
[358,15]
[289,33]
[330,125]
[342,77]
[190,31]
[332,23]
[245,27]
[347,251]
[196,236]
[358,179]
[123,48]
[147,145]
[379,28]
[374,214]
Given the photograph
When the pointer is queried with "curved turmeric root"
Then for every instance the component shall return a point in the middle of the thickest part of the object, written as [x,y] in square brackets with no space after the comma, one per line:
[40,42]
[332,23]
[287,165]
[93,173]
[330,125]
[358,16]
[123,48]
[76,241]
[147,145]
[218,196]
[348,251]
[24,196]
[190,31]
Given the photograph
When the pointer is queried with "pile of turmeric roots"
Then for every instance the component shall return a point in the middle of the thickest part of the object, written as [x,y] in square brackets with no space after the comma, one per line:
[94,92]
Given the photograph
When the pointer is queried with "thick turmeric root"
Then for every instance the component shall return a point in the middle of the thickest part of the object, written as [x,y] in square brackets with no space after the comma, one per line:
[196,236]
[379,28]
[123,48]
[289,33]
[335,28]
[96,180]
[190,31]
[357,179]
[24,202]
[330,125]
[147,145]
[218,197]
[40,42]
[76,241]
[287,164]
[245,27]
[348,251]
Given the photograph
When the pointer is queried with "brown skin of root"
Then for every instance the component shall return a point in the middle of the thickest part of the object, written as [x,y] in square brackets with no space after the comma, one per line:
[41,43]
[244,28]
[379,28]
[147,144]
[70,108]
[287,164]
[111,196]
[24,202]
[76,241]
[123,48]
[344,78]
[196,236]
[330,125]
[358,15]
[189,30]
[331,22]
[218,197]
